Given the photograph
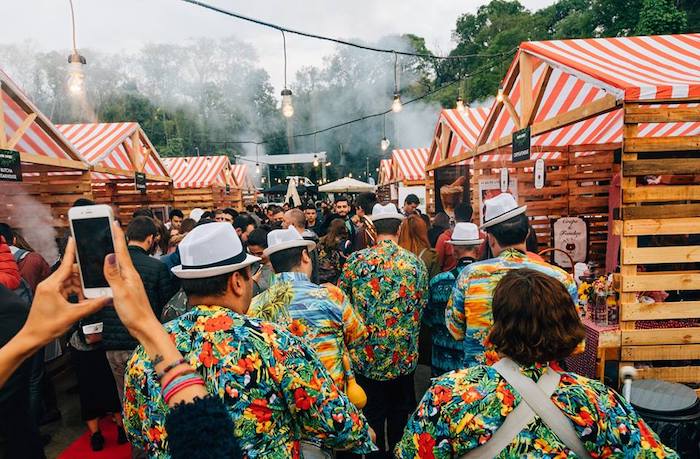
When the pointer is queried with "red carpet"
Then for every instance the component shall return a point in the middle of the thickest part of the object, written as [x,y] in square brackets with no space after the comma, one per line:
[80,448]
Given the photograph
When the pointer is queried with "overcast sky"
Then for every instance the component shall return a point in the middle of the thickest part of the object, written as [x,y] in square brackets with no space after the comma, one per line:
[126,24]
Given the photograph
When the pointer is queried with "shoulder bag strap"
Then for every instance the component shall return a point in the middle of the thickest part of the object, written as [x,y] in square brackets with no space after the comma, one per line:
[550,414]
[514,423]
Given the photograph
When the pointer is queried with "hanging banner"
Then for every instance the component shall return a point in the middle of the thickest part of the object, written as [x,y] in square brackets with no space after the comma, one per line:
[521,145]
[571,236]
[489,188]
[140,181]
[540,174]
[10,166]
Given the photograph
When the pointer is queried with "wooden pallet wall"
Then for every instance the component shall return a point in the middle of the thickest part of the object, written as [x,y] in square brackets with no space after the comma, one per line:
[127,199]
[660,245]
[209,198]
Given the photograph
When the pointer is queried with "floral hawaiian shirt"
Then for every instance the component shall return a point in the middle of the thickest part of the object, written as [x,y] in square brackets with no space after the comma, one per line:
[469,316]
[319,314]
[273,385]
[447,353]
[388,286]
[463,409]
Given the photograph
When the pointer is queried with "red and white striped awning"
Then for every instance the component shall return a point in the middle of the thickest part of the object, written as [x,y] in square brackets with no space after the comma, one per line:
[107,145]
[41,138]
[243,180]
[410,163]
[386,172]
[199,171]
[465,128]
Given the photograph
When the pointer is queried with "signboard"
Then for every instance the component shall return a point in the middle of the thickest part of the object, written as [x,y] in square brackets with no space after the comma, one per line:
[571,236]
[10,166]
[140,181]
[504,179]
[228,188]
[521,145]
[451,187]
[540,174]
[489,188]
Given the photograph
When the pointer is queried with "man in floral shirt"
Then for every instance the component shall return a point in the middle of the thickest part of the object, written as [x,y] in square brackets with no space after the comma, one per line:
[275,389]
[468,313]
[387,285]
[319,314]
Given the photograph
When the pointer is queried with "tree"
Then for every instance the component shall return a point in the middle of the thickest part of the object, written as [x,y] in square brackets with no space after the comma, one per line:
[660,17]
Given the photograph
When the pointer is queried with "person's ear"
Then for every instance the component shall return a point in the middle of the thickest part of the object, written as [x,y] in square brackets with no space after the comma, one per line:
[235,283]
[305,257]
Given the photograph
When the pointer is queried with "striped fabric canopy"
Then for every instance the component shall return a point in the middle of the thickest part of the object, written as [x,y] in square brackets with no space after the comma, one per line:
[386,172]
[410,163]
[465,128]
[199,171]
[240,174]
[41,137]
[106,145]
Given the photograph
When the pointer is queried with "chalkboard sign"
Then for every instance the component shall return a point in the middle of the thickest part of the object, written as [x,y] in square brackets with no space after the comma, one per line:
[228,188]
[140,181]
[10,166]
[521,145]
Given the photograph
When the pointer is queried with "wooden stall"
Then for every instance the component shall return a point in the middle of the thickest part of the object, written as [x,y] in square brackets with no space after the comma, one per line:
[386,180]
[603,112]
[52,172]
[118,154]
[407,174]
[455,134]
[203,181]
[241,175]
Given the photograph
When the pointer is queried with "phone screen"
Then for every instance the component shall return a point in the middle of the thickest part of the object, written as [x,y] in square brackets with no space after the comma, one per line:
[93,239]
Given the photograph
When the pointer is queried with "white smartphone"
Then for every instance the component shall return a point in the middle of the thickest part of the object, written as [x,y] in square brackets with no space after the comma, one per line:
[92,230]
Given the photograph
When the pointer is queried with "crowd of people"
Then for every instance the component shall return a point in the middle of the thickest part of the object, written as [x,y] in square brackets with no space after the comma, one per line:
[296,332]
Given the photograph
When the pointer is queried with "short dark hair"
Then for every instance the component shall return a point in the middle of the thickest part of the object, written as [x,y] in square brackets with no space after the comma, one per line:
[342,197]
[464,212]
[207,215]
[210,286]
[258,237]
[242,221]
[387,226]
[82,202]
[140,228]
[285,261]
[232,212]
[187,225]
[274,209]
[510,232]
[534,318]
[411,199]
[366,202]
[7,233]
[143,212]
[175,213]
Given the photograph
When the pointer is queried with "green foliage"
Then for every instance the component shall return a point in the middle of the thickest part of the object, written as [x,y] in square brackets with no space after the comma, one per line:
[660,17]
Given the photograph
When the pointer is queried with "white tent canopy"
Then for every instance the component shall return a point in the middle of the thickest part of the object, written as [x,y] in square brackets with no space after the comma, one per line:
[346,185]
[293,193]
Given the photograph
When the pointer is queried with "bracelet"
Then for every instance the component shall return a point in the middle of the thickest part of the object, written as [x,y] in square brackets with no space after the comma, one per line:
[180,382]
[170,367]
[184,371]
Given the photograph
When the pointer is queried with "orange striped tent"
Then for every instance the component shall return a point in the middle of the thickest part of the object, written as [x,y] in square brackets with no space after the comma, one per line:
[409,165]
[53,173]
[241,174]
[203,181]
[386,172]
[116,152]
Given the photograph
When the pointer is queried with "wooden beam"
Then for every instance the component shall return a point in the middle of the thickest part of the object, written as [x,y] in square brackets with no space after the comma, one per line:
[136,151]
[660,311]
[661,193]
[655,255]
[511,111]
[20,131]
[445,132]
[667,352]
[539,94]
[646,114]
[659,226]
[3,136]
[665,336]
[668,166]
[661,211]
[653,144]
[50,161]
[644,282]
[689,374]
[526,68]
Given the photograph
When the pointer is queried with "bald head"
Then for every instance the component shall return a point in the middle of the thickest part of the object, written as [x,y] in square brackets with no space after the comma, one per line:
[295,218]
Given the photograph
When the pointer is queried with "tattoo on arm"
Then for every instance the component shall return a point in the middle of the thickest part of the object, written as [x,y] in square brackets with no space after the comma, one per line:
[157,359]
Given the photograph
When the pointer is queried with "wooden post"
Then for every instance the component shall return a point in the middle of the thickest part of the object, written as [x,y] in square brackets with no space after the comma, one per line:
[526,65]
[20,131]
[3,137]
[137,153]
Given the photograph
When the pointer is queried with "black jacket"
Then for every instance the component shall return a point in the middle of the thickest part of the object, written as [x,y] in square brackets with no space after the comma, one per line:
[160,287]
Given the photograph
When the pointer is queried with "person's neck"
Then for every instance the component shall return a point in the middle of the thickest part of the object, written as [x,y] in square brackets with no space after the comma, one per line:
[311,223]
[140,244]
[225,301]
[387,237]
[298,270]
[519,247]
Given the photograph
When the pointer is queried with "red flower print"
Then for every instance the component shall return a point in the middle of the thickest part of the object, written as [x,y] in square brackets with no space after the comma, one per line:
[395,357]
[374,283]
[391,321]
[297,328]
[402,291]
[207,355]
[302,400]
[369,350]
[260,410]
[426,443]
[218,323]
[441,395]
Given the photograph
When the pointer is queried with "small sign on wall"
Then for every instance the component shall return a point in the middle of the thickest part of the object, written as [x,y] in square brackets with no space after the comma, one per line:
[140,181]
[521,145]
[540,174]
[504,179]
[571,236]
[10,166]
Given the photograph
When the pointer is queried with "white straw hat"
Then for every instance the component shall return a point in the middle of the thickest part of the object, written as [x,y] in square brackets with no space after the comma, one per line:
[465,234]
[380,212]
[501,208]
[210,250]
[196,214]
[278,240]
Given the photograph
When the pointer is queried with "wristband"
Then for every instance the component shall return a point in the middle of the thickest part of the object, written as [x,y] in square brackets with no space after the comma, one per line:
[192,382]
[179,383]
[170,367]
[184,371]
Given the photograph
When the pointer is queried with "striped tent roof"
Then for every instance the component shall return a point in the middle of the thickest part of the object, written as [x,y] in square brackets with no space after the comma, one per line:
[107,146]
[40,138]
[386,171]
[199,171]
[465,128]
[409,163]
[241,175]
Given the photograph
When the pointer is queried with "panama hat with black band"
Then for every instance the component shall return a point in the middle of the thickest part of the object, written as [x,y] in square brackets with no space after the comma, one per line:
[501,208]
[211,250]
[278,240]
[380,212]
[465,234]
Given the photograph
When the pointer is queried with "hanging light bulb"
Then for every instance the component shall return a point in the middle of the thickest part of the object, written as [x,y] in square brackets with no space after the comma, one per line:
[76,77]
[315,160]
[350,175]
[500,95]
[396,106]
[287,107]
[385,144]
[460,105]
[257,168]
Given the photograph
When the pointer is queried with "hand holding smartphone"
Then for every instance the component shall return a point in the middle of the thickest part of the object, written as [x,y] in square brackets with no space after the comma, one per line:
[91,227]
